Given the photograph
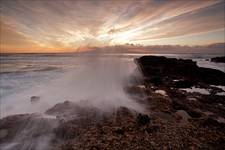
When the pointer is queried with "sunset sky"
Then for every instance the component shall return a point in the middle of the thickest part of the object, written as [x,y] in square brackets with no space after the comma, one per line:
[66,25]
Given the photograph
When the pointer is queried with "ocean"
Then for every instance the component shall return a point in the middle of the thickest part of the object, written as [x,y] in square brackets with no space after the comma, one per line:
[54,78]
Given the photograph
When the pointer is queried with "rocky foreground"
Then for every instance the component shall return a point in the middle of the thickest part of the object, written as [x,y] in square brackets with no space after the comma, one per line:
[174,118]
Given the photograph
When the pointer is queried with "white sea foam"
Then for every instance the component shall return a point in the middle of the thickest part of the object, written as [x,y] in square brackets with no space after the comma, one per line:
[219,86]
[91,80]
[100,82]
[209,64]
[161,92]
[197,90]
[99,79]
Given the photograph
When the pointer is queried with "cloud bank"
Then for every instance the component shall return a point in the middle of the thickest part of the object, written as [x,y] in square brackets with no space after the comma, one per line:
[67,25]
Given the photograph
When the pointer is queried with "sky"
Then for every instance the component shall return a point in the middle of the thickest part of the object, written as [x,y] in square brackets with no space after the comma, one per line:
[68,25]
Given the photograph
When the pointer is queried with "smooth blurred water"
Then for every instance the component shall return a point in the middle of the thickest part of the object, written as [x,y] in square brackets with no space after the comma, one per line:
[21,71]
[26,75]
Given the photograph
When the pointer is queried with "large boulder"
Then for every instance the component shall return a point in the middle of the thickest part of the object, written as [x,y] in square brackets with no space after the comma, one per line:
[169,70]
[218,59]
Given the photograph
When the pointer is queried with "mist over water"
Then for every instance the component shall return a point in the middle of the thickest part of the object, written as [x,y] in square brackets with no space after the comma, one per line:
[90,81]
[95,81]
[35,133]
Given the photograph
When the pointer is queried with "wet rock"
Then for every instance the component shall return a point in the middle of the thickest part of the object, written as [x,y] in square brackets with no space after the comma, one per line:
[122,114]
[183,84]
[126,129]
[141,86]
[185,116]
[67,146]
[215,99]
[66,131]
[143,119]
[177,105]
[119,130]
[159,66]
[136,90]
[3,133]
[218,59]
[24,130]
[11,125]
[60,108]
[161,92]
[192,99]
[210,122]
[156,80]
[194,114]
[34,99]
[94,148]
[165,116]
[153,128]
[168,69]
[64,111]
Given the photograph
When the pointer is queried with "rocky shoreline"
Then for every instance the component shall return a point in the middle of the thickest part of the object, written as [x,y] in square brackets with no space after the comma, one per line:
[218,59]
[174,117]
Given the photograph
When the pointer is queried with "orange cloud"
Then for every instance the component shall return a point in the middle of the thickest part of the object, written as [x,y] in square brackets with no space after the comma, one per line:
[44,26]
[12,41]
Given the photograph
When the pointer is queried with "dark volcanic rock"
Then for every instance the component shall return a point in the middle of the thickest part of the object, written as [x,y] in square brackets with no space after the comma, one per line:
[164,71]
[209,122]
[218,59]
[34,99]
[61,108]
[119,130]
[183,84]
[143,119]
[66,131]
[12,124]
[179,120]
[25,131]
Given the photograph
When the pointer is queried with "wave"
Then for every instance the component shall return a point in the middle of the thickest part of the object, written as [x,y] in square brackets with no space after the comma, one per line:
[25,70]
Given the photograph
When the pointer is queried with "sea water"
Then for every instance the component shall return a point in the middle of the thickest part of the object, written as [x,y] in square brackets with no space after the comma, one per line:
[98,79]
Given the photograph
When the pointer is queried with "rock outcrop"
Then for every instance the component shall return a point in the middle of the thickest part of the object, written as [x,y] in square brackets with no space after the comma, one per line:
[178,72]
[218,59]
[173,118]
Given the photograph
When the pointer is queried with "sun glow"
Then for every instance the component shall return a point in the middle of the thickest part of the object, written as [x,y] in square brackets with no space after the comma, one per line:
[69,25]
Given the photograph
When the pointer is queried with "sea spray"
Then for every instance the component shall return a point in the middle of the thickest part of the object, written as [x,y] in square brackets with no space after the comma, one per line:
[96,85]
[99,81]
[28,131]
